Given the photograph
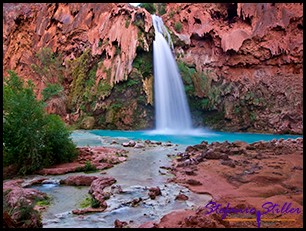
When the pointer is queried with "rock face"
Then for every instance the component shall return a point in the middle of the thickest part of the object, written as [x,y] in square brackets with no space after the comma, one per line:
[248,61]
[95,45]
[261,172]
[241,62]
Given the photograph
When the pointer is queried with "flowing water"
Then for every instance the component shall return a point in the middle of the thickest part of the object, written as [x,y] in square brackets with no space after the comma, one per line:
[172,114]
[141,171]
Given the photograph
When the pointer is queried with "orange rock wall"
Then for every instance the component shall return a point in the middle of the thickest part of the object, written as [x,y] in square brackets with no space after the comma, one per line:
[256,47]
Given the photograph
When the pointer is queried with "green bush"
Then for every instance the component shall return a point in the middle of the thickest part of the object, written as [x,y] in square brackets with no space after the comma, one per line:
[149,7]
[95,203]
[32,139]
[48,66]
[171,14]
[51,90]
[178,27]
[161,7]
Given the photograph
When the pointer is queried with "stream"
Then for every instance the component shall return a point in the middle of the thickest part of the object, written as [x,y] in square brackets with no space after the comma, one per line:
[135,176]
[143,169]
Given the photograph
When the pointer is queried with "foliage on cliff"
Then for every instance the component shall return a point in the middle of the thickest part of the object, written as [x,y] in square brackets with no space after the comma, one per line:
[32,139]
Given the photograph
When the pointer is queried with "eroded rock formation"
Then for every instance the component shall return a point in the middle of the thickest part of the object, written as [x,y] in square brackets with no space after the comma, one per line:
[243,175]
[241,62]
[250,56]
[96,44]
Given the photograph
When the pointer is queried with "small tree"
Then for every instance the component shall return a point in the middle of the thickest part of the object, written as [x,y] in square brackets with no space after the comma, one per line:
[32,139]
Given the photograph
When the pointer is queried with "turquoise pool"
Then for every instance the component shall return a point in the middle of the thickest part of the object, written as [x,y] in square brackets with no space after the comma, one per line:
[186,139]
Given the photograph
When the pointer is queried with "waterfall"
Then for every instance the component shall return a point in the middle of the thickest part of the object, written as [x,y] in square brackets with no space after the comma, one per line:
[172,114]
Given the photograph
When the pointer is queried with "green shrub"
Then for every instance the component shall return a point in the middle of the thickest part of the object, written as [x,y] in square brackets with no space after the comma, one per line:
[171,14]
[95,203]
[149,7]
[32,139]
[143,63]
[161,8]
[89,167]
[26,210]
[52,90]
[187,74]
[43,202]
[89,201]
[48,66]
[178,27]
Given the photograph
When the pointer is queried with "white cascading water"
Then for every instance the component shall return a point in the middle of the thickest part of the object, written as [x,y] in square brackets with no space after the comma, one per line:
[172,114]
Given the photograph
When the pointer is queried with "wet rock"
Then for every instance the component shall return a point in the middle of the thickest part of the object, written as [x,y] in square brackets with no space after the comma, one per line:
[80,180]
[87,210]
[135,202]
[114,142]
[191,161]
[34,182]
[15,192]
[168,144]
[181,197]
[97,186]
[183,156]
[139,145]
[120,224]
[131,143]
[153,192]
[116,189]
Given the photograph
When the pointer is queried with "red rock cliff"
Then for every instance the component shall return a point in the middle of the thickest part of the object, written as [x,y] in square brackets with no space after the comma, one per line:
[254,54]
[98,36]
[246,59]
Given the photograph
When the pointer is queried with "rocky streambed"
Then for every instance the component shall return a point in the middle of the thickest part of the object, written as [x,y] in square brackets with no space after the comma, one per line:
[131,193]
[160,184]
[266,176]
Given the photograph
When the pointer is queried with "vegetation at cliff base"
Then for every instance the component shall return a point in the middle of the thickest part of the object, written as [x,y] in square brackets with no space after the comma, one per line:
[32,139]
